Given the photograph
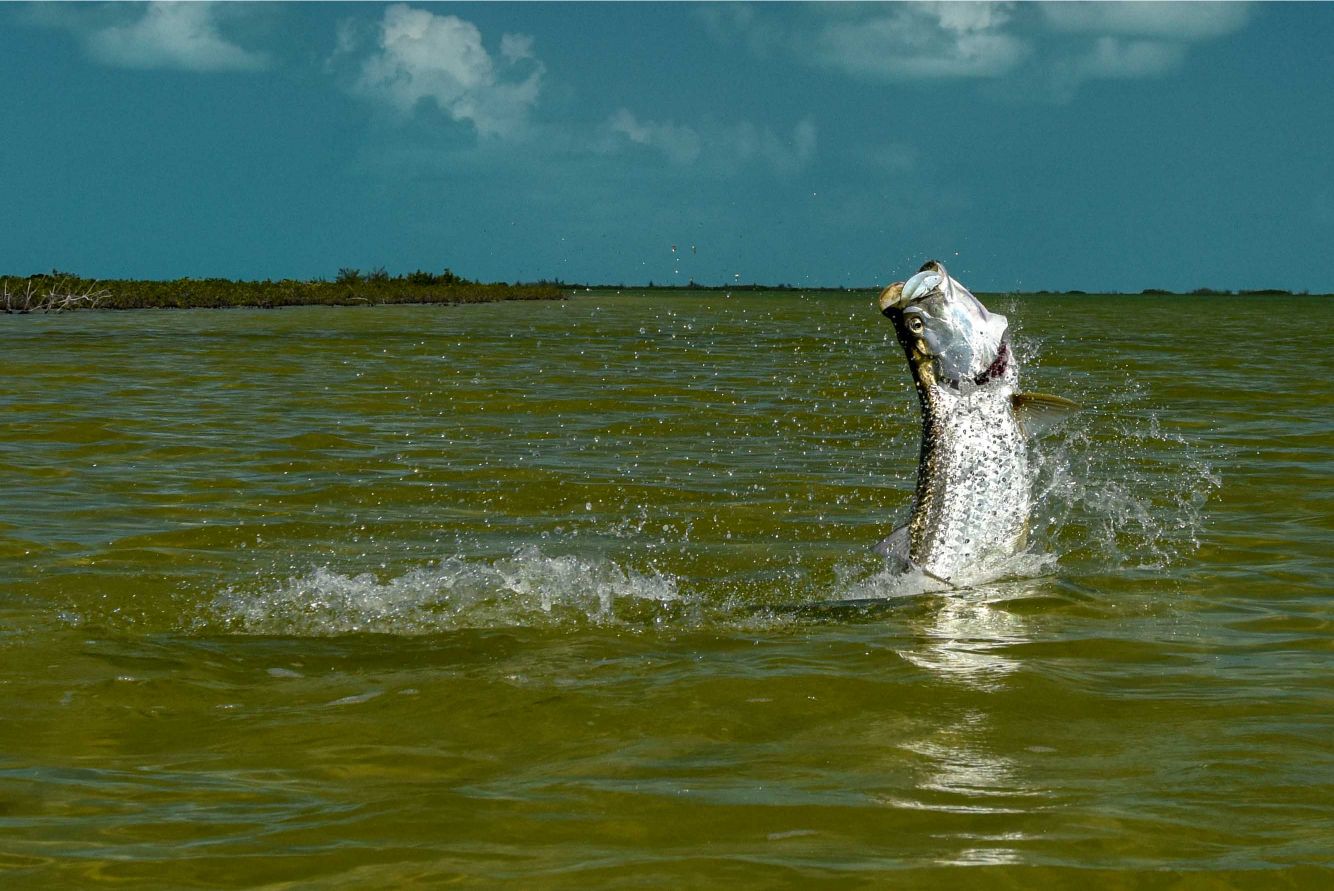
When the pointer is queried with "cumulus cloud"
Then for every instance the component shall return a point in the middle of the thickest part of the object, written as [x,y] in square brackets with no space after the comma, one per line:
[424,58]
[412,59]
[1065,43]
[185,36]
[919,40]
[739,144]
[1136,40]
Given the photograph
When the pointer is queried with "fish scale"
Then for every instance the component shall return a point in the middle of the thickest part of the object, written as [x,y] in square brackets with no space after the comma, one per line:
[972,496]
[972,499]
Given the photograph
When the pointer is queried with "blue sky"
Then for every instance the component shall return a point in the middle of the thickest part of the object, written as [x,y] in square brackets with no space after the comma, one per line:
[1092,146]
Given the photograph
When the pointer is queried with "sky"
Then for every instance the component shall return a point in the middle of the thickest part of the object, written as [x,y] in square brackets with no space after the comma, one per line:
[1028,146]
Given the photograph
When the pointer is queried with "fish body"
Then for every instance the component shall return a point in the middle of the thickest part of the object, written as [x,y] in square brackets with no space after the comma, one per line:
[972,499]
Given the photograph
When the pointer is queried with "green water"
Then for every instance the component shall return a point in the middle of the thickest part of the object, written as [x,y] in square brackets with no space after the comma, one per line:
[580,595]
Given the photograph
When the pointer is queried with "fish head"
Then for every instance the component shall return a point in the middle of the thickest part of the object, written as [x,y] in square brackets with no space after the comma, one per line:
[949,336]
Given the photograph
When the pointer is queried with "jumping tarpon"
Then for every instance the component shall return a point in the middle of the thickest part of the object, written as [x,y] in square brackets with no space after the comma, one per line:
[973,495]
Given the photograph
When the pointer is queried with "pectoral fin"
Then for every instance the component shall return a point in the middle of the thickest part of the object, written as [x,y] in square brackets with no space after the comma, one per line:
[1039,412]
[896,545]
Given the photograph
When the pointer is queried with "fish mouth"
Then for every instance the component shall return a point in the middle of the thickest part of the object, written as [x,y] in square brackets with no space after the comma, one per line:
[946,333]
[897,296]
[891,298]
[892,304]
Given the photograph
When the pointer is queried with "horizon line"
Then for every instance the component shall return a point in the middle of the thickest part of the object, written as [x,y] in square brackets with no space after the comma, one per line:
[693,285]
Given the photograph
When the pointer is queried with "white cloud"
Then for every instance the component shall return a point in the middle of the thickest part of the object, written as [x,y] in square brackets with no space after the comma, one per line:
[1177,21]
[1062,44]
[727,147]
[413,58]
[422,57]
[681,144]
[162,35]
[515,47]
[919,40]
[1136,40]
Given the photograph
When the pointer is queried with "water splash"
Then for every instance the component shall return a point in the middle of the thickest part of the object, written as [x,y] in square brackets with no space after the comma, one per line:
[1114,488]
[529,588]
[526,588]
[1094,512]
[890,582]
[1094,504]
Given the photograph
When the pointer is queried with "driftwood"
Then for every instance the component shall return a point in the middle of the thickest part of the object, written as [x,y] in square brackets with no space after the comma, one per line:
[59,295]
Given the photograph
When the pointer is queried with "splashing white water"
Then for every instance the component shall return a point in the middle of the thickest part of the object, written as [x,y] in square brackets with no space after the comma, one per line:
[526,588]
[1114,487]
[1121,492]
[1113,491]
[531,589]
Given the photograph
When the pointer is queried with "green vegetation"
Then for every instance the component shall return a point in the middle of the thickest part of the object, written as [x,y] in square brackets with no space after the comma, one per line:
[61,291]
[58,291]
[1164,292]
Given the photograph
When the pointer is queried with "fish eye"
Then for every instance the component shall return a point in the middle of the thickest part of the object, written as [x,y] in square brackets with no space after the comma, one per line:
[915,324]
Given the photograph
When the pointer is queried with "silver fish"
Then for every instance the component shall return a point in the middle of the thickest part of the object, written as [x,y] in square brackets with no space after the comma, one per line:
[972,500]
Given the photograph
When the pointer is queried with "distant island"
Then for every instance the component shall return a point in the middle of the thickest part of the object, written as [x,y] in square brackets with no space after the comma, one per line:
[1199,292]
[63,291]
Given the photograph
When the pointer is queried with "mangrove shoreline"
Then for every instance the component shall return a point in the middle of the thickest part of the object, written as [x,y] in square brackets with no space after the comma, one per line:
[63,292]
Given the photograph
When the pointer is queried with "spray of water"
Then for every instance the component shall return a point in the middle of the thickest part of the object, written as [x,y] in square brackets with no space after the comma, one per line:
[1093,514]
[526,588]
[1115,490]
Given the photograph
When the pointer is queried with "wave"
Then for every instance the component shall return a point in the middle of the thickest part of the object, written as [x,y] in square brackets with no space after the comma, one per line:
[529,588]
[526,588]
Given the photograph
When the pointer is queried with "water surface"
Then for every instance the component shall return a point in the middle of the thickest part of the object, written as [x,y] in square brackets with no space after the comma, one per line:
[580,594]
